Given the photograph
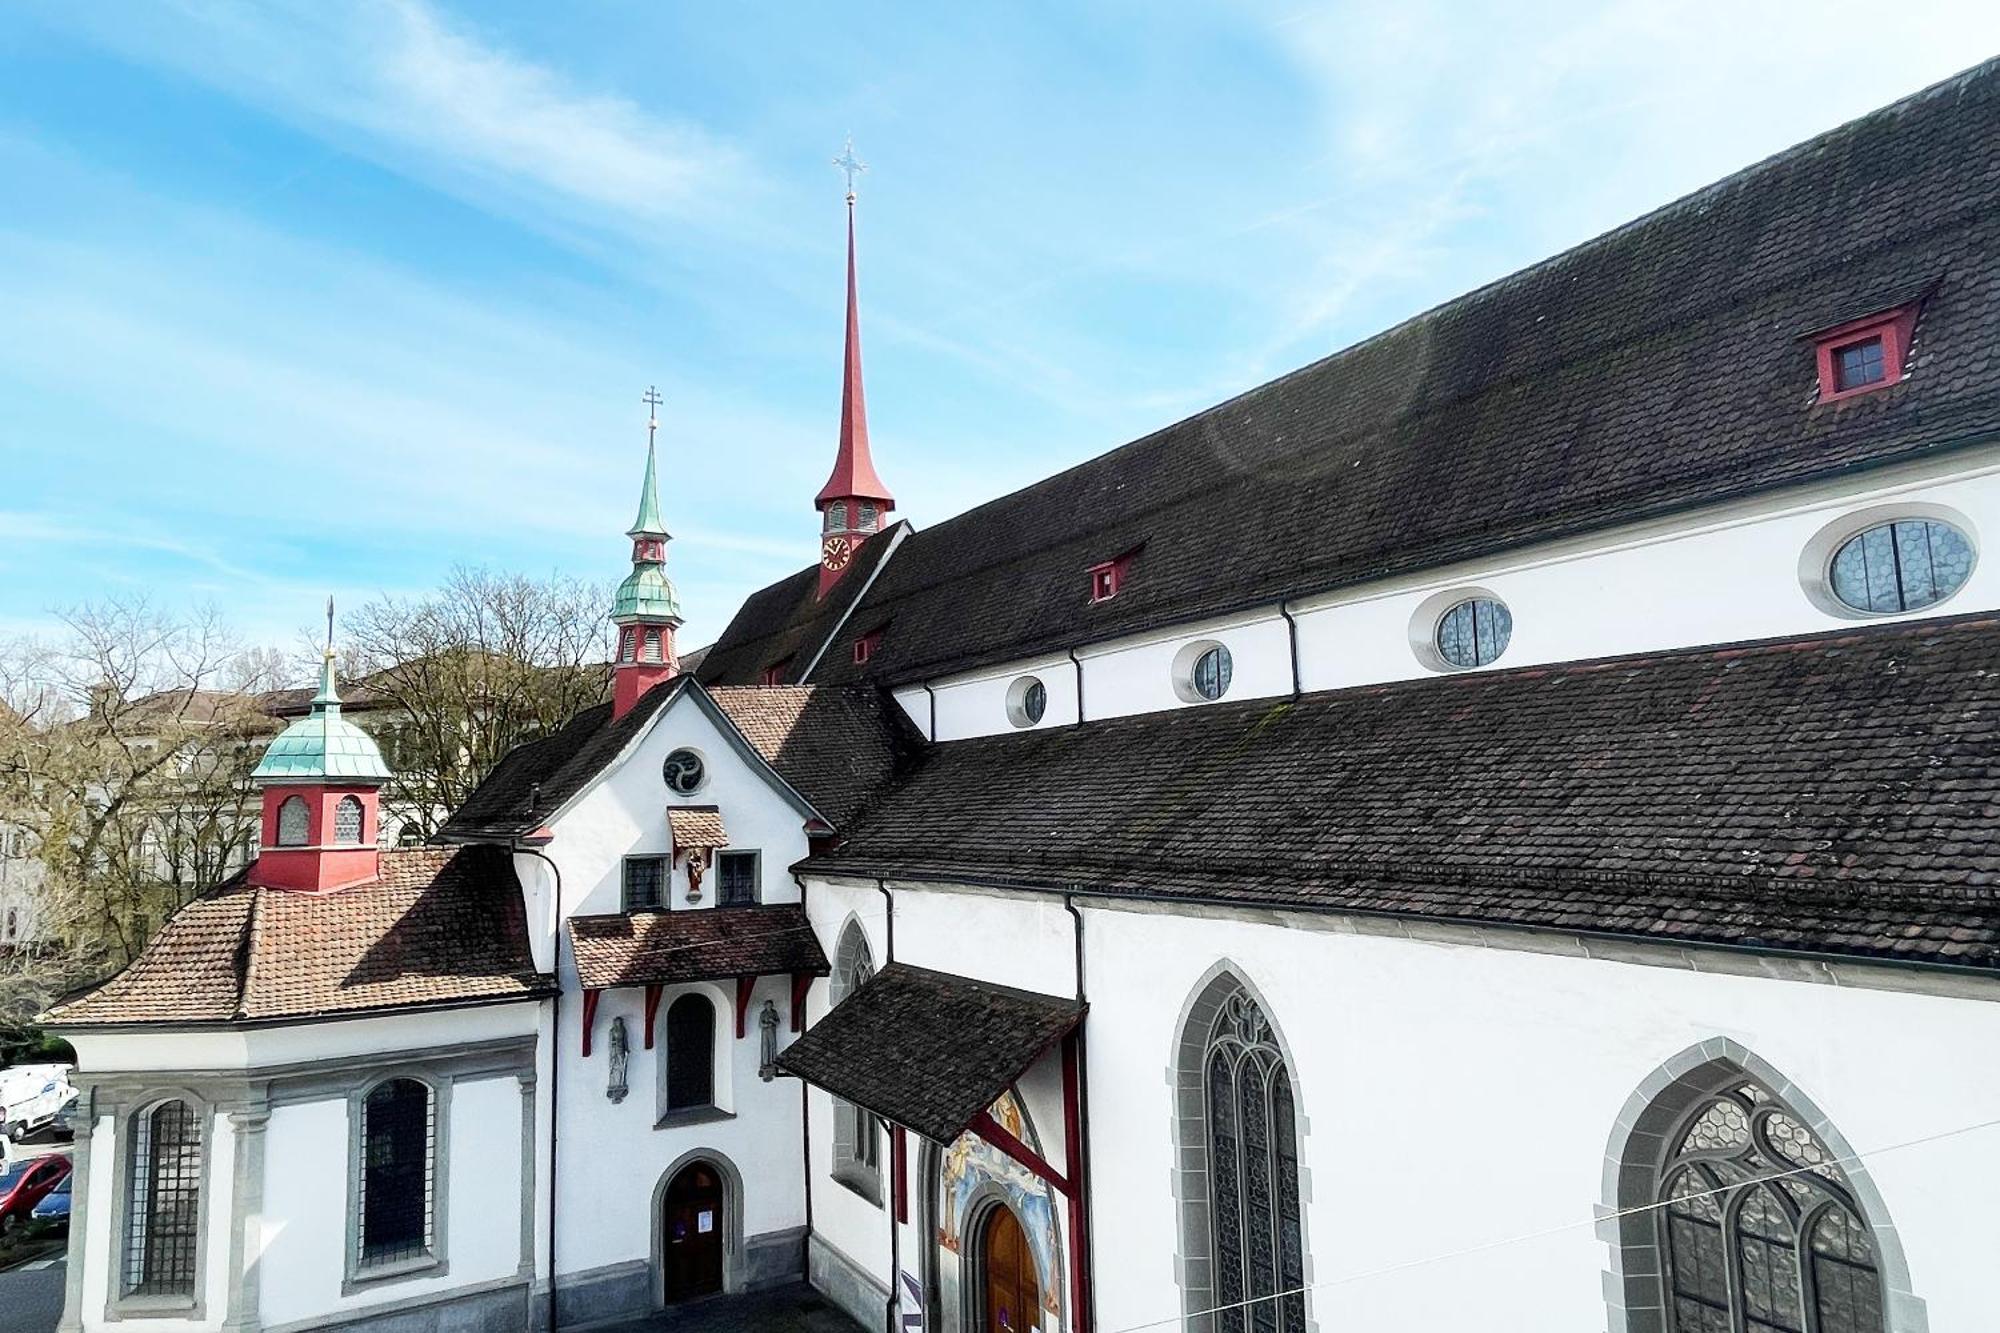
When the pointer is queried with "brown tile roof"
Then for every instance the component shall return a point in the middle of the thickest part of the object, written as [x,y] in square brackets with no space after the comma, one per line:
[975,1039]
[696,826]
[836,747]
[439,927]
[662,948]
[1656,368]
[1835,794]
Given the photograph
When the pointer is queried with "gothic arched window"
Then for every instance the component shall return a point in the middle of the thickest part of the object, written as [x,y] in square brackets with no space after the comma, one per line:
[397,1178]
[1242,1155]
[1759,1229]
[347,821]
[856,1133]
[294,822]
[690,1053]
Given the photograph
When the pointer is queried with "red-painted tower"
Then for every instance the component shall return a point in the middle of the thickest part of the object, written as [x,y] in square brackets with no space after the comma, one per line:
[646,610]
[854,502]
[322,783]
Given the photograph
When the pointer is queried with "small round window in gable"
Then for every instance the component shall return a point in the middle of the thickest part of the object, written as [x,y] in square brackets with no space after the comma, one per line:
[1474,633]
[1212,670]
[684,772]
[1027,700]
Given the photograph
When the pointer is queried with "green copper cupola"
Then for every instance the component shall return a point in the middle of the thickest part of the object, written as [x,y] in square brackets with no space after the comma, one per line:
[645,608]
[323,746]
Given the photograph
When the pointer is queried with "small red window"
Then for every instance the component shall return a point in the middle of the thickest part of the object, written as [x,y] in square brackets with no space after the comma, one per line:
[864,647]
[1106,579]
[774,674]
[1862,355]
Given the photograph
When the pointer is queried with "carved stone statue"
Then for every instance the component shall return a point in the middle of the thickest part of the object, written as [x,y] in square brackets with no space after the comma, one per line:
[621,1055]
[697,864]
[767,1033]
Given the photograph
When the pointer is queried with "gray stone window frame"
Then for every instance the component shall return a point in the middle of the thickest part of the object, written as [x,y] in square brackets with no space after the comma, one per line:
[1187,1078]
[360,1275]
[666,868]
[1643,1138]
[124,1304]
[738,856]
[857,1134]
[735,1273]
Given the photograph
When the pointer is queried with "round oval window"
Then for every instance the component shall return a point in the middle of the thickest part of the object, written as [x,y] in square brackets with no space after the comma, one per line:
[1901,566]
[683,772]
[1027,700]
[1210,677]
[1474,633]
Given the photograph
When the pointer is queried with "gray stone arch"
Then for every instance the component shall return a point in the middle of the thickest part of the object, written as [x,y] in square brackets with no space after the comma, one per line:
[857,1135]
[1187,1077]
[128,1112]
[732,1220]
[434,1262]
[988,1198]
[1639,1144]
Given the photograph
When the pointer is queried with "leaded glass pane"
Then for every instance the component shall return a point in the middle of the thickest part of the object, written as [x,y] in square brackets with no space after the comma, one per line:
[294,822]
[347,821]
[1226,1201]
[1769,1260]
[1474,633]
[1847,1287]
[1291,1259]
[1253,1174]
[398,1169]
[163,1209]
[1260,1238]
[1212,671]
[1901,566]
[645,883]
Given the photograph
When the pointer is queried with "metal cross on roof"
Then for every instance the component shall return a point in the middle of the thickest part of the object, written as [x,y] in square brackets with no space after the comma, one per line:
[850,164]
[651,398]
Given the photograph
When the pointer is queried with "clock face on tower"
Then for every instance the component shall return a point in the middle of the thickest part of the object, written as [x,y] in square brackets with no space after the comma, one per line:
[835,552]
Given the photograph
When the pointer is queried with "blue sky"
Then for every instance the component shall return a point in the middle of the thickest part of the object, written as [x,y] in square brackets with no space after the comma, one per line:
[308,298]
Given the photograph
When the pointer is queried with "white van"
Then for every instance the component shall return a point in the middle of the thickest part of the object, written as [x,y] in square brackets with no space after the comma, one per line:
[31,1096]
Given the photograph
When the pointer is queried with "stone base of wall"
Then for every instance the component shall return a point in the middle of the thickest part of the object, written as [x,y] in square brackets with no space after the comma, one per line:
[492,1308]
[774,1259]
[845,1283]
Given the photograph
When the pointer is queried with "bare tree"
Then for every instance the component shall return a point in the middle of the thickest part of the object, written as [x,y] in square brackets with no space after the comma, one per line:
[124,770]
[471,671]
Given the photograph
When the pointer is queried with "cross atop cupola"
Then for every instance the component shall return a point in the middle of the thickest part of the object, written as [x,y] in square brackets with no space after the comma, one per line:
[645,610]
[854,502]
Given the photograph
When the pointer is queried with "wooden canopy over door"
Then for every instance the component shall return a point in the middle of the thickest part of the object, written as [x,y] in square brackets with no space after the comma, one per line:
[1013,1292]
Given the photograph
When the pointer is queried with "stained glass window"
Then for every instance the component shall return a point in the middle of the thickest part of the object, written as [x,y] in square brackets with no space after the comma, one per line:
[347,821]
[398,1184]
[1760,1230]
[1901,566]
[294,822]
[163,1206]
[1474,633]
[1259,1254]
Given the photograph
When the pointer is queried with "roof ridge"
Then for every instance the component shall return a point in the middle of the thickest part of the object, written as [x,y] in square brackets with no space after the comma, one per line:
[253,930]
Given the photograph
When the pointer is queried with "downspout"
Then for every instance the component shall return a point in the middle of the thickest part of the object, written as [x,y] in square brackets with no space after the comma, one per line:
[895,1178]
[555,1066]
[805,1113]
[1292,634]
[932,736]
[889,914]
[1077,662]
[1076,1083]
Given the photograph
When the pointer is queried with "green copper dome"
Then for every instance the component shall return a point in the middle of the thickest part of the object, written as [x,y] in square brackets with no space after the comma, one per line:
[323,746]
[646,594]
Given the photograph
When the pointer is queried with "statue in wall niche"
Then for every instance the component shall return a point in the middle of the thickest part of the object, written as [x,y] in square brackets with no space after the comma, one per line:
[697,864]
[621,1055]
[767,1034]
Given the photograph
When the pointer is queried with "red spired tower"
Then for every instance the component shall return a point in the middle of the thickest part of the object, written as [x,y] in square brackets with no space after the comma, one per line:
[854,500]
[645,610]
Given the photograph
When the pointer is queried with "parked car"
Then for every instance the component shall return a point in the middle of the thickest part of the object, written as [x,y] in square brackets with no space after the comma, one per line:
[24,1183]
[54,1207]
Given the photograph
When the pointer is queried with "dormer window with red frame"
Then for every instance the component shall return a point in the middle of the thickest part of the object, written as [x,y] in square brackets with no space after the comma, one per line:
[774,674]
[864,647]
[1106,579]
[1862,355]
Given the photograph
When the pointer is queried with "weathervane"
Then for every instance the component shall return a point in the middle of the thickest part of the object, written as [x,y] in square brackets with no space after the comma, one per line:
[651,398]
[850,164]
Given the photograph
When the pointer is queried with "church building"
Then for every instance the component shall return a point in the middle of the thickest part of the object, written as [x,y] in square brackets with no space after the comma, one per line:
[1498,828]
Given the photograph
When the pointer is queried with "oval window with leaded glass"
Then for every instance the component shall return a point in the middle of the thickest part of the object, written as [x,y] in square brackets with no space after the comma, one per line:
[1904,565]
[1474,633]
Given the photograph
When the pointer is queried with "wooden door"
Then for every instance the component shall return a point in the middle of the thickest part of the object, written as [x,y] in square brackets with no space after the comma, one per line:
[1013,1293]
[691,1234]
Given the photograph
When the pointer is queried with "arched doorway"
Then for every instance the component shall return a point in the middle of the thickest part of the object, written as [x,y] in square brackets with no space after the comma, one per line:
[691,1221]
[1013,1293]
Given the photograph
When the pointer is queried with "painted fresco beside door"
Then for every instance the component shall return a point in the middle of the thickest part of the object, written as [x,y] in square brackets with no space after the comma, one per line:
[974,1170]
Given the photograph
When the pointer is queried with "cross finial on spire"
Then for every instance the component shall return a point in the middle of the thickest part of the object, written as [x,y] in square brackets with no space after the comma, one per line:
[850,164]
[651,398]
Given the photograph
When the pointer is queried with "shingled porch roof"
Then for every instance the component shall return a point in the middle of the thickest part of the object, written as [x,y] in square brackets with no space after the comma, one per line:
[929,1050]
[715,944]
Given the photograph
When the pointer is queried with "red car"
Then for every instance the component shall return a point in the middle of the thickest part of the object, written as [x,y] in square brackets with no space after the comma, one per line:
[23,1183]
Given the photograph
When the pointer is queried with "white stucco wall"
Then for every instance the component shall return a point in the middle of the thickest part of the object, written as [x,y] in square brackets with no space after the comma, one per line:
[1720,575]
[307,1164]
[103,1251]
